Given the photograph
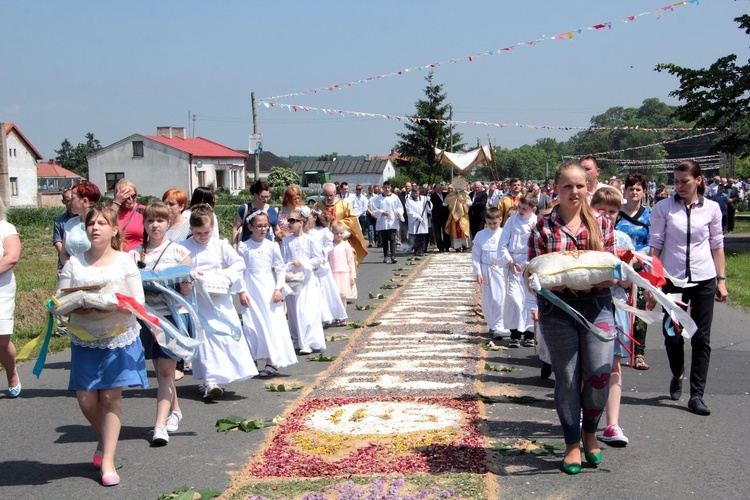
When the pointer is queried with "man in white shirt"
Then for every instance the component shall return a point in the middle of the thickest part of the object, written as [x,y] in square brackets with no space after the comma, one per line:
[358,202]
[389,211]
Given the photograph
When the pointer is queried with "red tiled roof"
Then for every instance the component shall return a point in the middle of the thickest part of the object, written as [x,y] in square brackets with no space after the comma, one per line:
[198,146]
[10,127]
[52,169]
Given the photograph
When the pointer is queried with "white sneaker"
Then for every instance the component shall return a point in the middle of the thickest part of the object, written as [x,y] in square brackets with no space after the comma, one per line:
[306,350]
[173,421]
[614,436]
[160,437]
[212,391]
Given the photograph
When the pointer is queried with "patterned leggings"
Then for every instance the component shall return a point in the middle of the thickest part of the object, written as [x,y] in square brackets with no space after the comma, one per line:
[581,362]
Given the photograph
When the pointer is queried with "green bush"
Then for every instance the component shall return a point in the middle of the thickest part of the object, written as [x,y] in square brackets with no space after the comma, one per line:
[34,217]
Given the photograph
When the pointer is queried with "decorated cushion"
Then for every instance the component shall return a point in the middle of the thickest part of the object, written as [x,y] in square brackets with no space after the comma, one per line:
[578,270]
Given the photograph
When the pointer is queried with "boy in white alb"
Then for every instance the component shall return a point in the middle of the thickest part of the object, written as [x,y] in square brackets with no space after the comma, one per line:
[486,272]
[514,251]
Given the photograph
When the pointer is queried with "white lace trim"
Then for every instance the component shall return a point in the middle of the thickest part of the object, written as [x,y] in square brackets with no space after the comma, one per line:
[124,339]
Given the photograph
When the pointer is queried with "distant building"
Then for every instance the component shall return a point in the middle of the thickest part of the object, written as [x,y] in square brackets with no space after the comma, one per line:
[365,172]
[155,163]
[52,181]
[268,160]
[21,160]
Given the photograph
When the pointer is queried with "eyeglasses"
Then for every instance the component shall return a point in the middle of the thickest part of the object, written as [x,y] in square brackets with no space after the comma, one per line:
[292,220]
[265,197]
[359,189]
[132,197]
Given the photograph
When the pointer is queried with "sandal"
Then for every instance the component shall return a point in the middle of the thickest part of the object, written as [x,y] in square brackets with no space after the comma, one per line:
[640,363]
[268,371]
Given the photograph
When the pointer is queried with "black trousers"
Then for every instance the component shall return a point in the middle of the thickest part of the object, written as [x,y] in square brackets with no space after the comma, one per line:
[442,239]
[388,238]
[701,300]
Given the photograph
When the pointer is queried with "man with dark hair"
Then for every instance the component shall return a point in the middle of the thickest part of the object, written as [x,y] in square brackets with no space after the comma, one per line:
[388,210]
[439,218]
[477,209]
[592,168]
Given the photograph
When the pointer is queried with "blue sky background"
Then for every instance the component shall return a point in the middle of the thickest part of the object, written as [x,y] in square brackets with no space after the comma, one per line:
[119,67]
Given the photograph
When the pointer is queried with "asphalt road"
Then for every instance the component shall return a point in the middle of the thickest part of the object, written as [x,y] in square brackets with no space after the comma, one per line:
[47,443]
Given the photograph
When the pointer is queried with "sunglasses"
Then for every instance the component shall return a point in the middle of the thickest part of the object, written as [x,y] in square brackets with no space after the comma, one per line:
[132,197]
[292,220]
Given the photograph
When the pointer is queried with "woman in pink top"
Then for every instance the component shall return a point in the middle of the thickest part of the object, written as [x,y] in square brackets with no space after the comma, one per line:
[686,234]
[129,214]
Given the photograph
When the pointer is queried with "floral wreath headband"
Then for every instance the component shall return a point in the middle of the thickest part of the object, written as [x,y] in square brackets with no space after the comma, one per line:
[304,211]
[254,214]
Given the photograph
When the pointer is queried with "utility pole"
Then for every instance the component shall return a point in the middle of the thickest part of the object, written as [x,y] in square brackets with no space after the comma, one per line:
[4,182]
[450,110]
[255,132]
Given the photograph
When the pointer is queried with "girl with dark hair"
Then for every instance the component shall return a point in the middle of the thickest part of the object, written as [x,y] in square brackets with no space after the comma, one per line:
[204,195]
[261,195]
[581,362]
[687,236]
[634,220]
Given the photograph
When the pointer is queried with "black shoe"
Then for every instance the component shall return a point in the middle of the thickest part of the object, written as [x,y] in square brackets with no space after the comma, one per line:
[546,371]
[393,261]
[675,388]
[698,406]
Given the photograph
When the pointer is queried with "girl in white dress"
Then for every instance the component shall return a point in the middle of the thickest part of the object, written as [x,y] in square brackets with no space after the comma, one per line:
[221,359]
[106,354]
[263,317]
[157,253]
[332,312]
[302,255]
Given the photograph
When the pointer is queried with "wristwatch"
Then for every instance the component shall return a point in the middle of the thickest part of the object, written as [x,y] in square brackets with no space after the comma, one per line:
[720,277]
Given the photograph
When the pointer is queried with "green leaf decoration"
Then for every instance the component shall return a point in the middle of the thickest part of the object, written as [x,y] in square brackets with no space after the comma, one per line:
[541,452]
[353,325]
[411,263]
[367,307]
[498,368]
[336,338]
[388,287]
[374,323]
[224,426]
[401,275]
[399,269]
[207,493]
[321,358]
[511,452]
[524,400]
[282,388]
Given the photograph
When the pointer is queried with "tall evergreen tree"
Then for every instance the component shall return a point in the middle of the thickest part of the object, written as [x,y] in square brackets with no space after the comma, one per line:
[417,144]
[74,159]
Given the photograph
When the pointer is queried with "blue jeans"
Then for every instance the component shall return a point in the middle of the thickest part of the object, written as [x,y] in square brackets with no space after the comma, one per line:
[582,363]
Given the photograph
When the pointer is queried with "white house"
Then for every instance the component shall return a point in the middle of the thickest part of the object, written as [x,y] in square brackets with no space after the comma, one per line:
[156,163]
[21,160]
[365,172]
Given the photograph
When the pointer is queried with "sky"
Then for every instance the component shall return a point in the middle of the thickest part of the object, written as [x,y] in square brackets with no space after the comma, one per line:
[117,67]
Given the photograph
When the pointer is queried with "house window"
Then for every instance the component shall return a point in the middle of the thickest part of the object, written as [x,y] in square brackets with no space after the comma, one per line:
[112,178]
[137,149]
[14,186]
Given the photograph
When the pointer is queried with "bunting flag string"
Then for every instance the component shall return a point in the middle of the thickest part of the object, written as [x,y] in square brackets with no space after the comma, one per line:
[417,119]
[662,161]
[566,35]
[670,141]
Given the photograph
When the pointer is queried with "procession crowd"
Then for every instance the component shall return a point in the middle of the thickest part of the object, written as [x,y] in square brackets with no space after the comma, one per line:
[233,310]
